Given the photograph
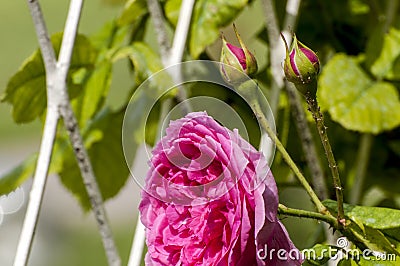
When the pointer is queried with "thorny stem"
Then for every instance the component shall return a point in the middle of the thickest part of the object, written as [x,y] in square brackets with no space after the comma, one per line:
[309,149]
[319,120]
[307,141]
[282,209]
[286,157]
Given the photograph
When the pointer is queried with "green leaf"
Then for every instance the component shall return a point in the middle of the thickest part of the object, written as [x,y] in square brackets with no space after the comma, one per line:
[320,254]
[365,230]
[383,67]
[110,35]
[133,11]
[103,142]
[377,241]
[354,100]
[26,90]
[136,123]
[208,17]
[152,126]
[95,92]
[393,233]
[374,217]
[145,61]
[13,179]
[358,7]
[171,9]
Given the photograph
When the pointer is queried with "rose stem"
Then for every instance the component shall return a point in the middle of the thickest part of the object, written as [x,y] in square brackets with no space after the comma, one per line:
[319,121]
[307,141]
[264,124]
[282,209]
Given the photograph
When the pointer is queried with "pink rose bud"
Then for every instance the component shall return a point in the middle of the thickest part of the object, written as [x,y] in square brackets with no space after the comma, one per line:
[239,58]
[301,64]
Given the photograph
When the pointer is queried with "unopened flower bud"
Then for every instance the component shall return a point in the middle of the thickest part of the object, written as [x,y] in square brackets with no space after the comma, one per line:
[301,64]
[239,58]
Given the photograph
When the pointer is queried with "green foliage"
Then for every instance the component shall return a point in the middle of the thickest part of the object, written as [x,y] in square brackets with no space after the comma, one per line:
[133,11]
[356,101]
[95,93]
[145,61]
[26,90]
[374,217]
[11,180]
[367,224]
[387,64]
[103,143]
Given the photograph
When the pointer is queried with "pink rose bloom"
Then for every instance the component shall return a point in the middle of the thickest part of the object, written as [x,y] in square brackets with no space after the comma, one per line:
[210,199]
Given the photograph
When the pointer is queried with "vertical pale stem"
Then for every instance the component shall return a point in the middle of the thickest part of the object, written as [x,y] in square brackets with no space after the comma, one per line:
[37,190]
[70,31]
[91,186]
[71,125]
[277,53]
[136,253]
[181,33]
[277,49]
[46,146]
[58,104]
[178,48]
[49,57]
